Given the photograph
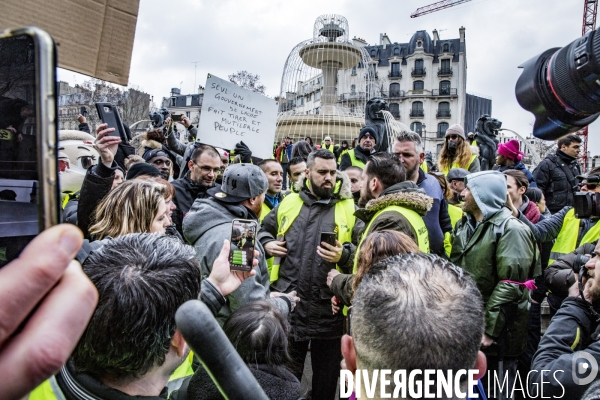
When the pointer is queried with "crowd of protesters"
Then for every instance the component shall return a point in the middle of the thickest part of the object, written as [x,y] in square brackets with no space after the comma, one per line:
[445,269]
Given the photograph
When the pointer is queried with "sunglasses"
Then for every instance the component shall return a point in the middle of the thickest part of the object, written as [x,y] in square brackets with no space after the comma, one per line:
[453,137]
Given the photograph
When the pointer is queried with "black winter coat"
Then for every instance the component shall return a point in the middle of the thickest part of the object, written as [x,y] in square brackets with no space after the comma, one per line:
[96,184]
[553,181]
[186,192]
[359,153]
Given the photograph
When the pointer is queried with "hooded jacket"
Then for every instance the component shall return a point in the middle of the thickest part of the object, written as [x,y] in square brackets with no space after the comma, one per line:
[476,249]
[553,181]
[206,226]
[303,269]
[186,192]
[404,194]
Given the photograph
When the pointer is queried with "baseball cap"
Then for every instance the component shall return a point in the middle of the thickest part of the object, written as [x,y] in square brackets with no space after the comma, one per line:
[457,174]
[240,182]
[149,155]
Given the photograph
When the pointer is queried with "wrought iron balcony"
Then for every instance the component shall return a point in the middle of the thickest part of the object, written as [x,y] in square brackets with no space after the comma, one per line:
[443,114]
[445,71]
[416,113]
[352,96]
[393,94]
[418,72]
[444,92]
[395,74]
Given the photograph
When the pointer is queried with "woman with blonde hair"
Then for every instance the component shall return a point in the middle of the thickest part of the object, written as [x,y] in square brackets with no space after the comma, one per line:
[456,152]
[135,206]
[374,248]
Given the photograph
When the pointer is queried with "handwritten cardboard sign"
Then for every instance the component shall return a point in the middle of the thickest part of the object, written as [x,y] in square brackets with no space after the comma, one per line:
[231,114]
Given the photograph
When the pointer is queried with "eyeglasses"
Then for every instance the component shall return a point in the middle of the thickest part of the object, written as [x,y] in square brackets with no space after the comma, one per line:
[207,169]
[453,137]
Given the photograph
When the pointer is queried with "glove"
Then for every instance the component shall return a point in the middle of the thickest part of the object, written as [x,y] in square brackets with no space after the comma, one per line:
[244,152]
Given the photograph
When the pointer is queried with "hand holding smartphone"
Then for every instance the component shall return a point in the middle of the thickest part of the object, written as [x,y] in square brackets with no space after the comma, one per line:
[329,238]
[243,239]
[109,114]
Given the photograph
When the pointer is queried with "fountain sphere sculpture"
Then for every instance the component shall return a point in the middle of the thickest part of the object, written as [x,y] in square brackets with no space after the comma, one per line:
[325,85]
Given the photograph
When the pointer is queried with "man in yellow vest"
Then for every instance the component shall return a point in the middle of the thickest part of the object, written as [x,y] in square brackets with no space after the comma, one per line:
[341,150]
[328,145]
[389,201]
[131,346]
[456,178]
[357,157]
[570,232]
[292,233]
[274,195]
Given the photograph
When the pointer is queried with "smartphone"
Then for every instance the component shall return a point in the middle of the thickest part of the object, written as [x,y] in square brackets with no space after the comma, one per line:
[83,111]
[328,237]
[243,239]
[29,179]
[176,117]
[109,114]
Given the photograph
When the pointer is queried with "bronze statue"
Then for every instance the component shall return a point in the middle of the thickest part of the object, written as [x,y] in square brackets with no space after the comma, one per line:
[486,138]
[374,118]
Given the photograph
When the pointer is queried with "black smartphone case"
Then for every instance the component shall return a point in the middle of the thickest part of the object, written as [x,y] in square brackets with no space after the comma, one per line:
[113,119]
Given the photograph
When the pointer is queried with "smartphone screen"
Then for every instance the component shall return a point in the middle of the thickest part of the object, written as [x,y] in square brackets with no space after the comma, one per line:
[176,117]
[243,236]
[28,138]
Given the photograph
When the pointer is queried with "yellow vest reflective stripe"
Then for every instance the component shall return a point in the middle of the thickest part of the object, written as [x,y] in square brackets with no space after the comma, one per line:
[566,242]
[355,161]
[185,369]
[263,214]
[289,209]
[415,220]
[339,160]
[330,148]
[456,165]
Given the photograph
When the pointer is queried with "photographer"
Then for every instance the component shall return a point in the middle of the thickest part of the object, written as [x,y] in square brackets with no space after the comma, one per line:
[574,328]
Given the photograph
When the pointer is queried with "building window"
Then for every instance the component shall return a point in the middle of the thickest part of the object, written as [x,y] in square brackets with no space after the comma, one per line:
[445,88]
[446,48]
[442,127]
[352,108]
[395,70]
[418,64]
[318,95]
[419,44]
[373,53]
[319,80]
[417,127]
[443,110]
[301,101]
[353,89]
[396,51]
[395,110]
[395,90]
[317,110]
[188,101]
[353,70]
[173,102]
[417,109]
[187,114]
[418,85]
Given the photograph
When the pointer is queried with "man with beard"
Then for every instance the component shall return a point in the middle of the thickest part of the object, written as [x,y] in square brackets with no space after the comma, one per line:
[292,233]
[409,147]
[204,166]
[389,202]
[355,175]
[209,221]
[500,254]
[357,157]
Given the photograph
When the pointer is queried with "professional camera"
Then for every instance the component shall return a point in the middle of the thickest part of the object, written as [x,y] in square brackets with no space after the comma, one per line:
[586,204]
[561,87]
[158,117]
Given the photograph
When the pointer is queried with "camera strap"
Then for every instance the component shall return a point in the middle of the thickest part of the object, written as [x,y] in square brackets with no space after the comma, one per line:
[568,172]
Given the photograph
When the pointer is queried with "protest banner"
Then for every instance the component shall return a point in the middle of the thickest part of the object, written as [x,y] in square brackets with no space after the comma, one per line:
[231,114]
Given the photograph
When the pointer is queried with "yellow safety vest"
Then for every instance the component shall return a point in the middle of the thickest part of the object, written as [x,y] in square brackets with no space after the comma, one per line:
[355,161]
[49,389]
[339,160]
[455,165]
[456,214]
[415,220]
[289,209]
[330,148]
[424,166]
[566,242]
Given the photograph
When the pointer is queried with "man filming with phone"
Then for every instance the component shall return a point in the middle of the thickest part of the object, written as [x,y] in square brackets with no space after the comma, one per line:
[292,233]
[209,222]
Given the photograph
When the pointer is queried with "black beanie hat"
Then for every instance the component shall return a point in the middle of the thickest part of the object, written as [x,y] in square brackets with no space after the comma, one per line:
[370,131]
[142,168]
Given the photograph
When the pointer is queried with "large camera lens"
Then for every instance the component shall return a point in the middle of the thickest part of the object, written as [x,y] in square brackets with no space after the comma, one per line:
[561,87]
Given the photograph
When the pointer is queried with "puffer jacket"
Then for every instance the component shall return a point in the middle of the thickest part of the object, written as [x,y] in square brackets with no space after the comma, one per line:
[206,226]
[520,167]
[550,177]
[404,194]
[303,270]
[186,192]
[490,261]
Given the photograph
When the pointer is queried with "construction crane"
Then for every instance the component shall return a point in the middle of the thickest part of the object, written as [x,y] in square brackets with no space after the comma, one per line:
[590,8]
[440,5]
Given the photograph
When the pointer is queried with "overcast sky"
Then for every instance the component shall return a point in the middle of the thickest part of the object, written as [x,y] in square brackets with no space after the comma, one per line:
[225,36]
